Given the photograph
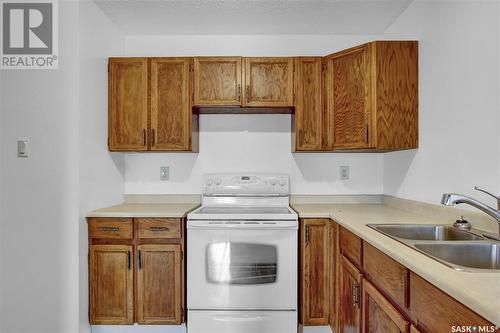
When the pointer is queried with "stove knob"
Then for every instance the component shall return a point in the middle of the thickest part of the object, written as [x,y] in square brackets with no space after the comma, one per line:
[282,182]
[209,182]
[272,181]
[217,181]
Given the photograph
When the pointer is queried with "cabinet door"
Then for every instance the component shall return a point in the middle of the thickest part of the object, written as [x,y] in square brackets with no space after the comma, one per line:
[308,104]
[334,266]
[217,81]
[413,329]
[111,284]
[128,104]
[350,279]
[379,316]
[171,116]
[159,288]
[315,272]
[269,82]
[348,89]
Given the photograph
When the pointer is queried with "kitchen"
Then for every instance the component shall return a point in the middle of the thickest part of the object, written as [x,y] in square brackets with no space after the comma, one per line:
[335,193]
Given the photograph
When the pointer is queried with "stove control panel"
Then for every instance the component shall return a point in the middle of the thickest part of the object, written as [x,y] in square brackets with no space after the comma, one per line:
[246,184]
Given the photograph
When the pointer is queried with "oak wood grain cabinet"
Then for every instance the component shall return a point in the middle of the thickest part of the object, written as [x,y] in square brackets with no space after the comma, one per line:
[334,272]
[111,284]
[350,289]
[268,82]
[378,313]
[372,96]
[311,125]
[150,105]
[314,271]
[413,329]
[217,81]
[351,246]
[171,115]
[136,271]
[128,104]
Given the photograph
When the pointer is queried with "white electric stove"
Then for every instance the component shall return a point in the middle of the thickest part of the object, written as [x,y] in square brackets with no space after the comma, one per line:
[242,256]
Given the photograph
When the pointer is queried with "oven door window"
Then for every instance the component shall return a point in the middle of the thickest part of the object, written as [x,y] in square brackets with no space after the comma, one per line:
[241,263]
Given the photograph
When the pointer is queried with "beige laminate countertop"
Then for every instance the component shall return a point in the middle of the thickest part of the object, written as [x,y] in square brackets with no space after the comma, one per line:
[176,210]
[478,291]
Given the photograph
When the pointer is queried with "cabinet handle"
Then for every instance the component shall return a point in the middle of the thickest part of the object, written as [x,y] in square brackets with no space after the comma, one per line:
[355,294]
[109,229]
[153,137]
[144,137]
[300,137]
[238,93]
[158,229]
[140,259]
[129,260]
[307,234]
[248,94]
[366,134]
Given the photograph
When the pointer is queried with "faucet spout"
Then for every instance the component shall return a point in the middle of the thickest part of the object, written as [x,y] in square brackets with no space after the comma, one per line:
[450,199]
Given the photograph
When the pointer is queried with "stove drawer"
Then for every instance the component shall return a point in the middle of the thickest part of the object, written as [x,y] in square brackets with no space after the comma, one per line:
[242,321]
[159,228]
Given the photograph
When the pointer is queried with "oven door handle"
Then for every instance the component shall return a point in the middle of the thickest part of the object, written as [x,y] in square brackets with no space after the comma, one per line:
[239,319]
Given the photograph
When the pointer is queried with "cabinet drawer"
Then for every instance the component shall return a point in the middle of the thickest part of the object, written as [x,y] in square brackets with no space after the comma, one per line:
[351,246]
[435,311]
[386,273]
[111,228]
[159,228]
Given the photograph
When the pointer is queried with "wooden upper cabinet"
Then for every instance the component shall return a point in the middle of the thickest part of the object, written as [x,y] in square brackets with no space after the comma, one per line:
[372,96]
[350,280]
[348,89]
[268,82]
[111,284]
[379,316]
[309,115]
[315,243]
[159,286]
[217,81]
[171,116]
[128,104]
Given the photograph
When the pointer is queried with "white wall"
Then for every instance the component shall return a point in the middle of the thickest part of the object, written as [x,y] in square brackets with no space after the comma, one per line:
[459,105]
[39,241]
[251,142]
[100,173]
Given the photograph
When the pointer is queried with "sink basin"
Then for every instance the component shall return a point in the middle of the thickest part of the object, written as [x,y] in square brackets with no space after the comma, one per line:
[471,255]
[426,232]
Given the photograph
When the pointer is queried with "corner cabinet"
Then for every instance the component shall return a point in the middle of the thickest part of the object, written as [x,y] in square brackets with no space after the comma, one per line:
[136,271]
[350,284]
[372,96]
[150,105]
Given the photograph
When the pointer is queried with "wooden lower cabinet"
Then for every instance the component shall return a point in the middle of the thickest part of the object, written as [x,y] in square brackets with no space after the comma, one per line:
[137,279]
[413,329]
[315,269]
[350,285]
[378,313]
[111,284]
[334,259]
[158,278]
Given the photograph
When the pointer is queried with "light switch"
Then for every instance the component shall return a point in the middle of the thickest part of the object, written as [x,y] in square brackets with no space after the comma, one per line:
[164,173]
[22,148]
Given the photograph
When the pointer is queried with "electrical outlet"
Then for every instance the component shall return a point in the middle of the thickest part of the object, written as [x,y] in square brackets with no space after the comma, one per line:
[344,172]
[164,173]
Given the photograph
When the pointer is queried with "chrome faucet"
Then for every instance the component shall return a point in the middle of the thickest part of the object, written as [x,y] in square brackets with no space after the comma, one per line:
[450,199]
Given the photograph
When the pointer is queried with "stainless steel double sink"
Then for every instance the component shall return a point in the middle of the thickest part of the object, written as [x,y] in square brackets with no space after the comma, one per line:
[459,249]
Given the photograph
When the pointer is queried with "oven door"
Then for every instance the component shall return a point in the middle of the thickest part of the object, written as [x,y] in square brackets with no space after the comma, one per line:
[237,266]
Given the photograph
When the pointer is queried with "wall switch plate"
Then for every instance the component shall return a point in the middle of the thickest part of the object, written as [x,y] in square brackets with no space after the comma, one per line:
[344,172]
[22,148]
[164,173]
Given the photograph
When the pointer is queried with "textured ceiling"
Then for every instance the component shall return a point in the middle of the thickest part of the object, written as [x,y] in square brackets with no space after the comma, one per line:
[173,17]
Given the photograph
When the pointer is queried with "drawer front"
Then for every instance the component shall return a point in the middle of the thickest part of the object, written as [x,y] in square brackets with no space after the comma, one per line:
[351,246]
[159,228]
[114,228]
[387,274]
[435,311]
